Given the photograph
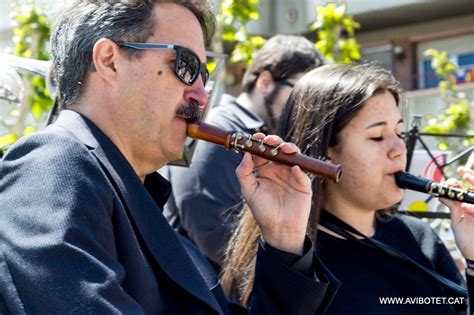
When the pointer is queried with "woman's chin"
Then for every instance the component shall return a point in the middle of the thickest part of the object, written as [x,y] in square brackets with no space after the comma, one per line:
[393,200]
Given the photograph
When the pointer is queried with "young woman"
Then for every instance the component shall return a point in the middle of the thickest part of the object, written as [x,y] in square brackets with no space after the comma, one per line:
[350,116]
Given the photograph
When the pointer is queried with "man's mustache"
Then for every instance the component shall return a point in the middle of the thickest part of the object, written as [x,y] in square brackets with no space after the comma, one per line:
[190,112]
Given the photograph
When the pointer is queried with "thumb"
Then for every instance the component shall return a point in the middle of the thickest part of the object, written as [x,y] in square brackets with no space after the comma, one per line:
[245,175]
[455,210]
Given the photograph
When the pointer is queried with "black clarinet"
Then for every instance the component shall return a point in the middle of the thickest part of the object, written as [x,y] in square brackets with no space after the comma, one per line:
[408,181]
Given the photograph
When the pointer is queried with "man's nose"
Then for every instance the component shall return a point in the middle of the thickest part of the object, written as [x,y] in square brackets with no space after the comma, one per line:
[197,93]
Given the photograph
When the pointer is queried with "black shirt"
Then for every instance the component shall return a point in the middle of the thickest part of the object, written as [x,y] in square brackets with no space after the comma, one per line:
[368,276]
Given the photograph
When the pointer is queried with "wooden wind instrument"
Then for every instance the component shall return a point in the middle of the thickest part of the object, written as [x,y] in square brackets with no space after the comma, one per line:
[239,141]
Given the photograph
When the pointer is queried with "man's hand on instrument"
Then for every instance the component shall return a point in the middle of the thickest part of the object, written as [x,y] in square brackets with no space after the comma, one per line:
[279,197]
[462,216]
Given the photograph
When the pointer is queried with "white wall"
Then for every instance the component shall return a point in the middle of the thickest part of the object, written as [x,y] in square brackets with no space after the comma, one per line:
[362,6]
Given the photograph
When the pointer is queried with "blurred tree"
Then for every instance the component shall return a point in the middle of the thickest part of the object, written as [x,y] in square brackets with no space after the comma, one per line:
[336,31]
[30,36]
[335,41]
[232,28]
[455,118]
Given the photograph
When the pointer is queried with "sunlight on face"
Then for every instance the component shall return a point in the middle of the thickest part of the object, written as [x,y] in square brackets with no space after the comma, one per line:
[371,151]
[154,132]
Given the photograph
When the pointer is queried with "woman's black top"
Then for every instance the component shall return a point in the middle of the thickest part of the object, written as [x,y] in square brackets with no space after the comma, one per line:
[373,283]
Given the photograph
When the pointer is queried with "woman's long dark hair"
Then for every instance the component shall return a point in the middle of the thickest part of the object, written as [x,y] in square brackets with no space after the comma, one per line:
[321,104]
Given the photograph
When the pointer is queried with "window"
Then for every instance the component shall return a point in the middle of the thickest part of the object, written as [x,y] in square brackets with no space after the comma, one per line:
[460,50]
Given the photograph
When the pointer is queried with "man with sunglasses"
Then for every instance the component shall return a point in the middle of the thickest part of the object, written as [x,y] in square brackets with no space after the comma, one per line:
[266,85]
[81,229]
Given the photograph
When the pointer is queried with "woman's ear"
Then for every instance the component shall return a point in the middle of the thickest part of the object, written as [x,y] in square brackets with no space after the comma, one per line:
[330,155]
[265,83]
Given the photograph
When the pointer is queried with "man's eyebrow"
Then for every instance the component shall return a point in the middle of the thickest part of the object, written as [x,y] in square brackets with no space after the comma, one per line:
[382,123]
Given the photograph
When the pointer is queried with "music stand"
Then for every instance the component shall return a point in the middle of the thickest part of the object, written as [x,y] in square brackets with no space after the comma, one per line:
[412,137]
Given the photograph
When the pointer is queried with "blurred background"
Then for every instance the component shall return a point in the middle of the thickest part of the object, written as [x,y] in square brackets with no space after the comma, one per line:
[428,45]
[395,33]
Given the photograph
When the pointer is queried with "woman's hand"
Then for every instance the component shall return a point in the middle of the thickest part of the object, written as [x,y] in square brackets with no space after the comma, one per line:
[278,196]
[462,216]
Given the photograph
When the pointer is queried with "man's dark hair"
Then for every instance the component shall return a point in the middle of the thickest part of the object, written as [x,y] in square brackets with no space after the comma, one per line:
[83,22]
[283,56]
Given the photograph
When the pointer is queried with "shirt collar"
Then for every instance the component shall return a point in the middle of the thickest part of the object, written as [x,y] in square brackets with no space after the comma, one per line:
[158,187]
[248,118]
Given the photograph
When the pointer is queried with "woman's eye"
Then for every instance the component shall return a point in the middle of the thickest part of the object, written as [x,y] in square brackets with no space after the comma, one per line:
[378,139]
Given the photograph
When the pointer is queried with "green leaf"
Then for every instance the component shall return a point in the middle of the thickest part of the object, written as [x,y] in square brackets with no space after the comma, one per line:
[8,139]
[29,130]
[211,65]
[443,146]
[331,21]
[254,15]
[339,13]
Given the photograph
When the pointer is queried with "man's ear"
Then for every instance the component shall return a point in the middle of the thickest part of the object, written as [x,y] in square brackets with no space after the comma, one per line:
[265,83]
[104,57]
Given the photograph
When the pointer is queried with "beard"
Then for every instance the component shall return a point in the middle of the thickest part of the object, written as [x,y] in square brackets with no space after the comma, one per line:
[269,100]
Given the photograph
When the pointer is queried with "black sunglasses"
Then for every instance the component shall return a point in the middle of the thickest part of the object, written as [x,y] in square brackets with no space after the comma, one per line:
[286,82]
[187,66]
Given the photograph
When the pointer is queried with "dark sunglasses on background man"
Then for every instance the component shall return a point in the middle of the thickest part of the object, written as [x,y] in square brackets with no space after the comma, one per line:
[286,82]
[187,66]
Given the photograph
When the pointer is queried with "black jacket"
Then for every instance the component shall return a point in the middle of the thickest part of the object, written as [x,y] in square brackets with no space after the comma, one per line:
[80,233]
[210,184]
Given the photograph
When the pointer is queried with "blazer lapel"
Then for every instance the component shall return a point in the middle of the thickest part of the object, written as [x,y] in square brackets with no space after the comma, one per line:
[158,235]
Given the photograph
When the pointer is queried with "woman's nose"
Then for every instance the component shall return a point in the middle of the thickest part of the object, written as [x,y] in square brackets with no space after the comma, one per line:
[399,148]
